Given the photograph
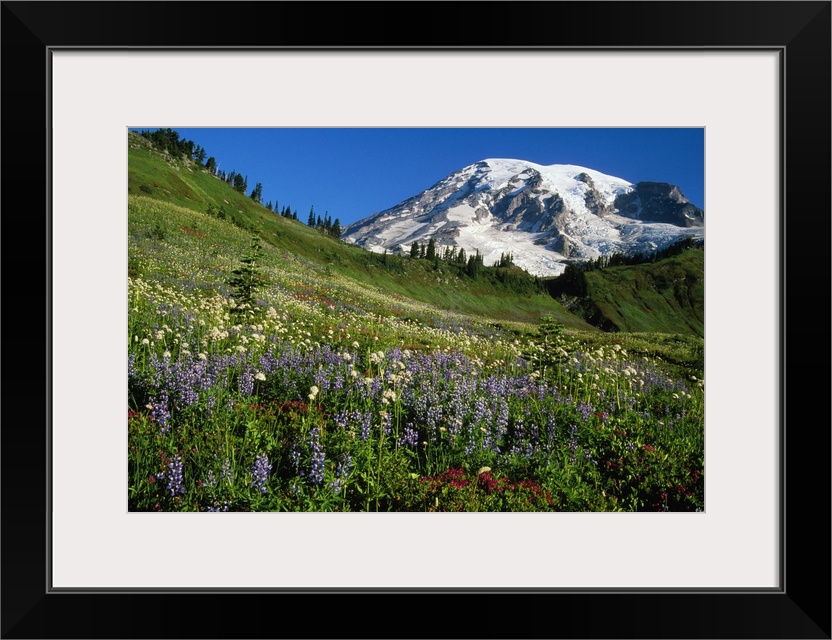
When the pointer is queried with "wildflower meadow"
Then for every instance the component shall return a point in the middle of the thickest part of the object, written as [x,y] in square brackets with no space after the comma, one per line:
[310,391]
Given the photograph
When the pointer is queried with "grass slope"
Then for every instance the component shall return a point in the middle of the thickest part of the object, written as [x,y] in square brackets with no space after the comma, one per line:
[172,197]
[662,297]
[666,296]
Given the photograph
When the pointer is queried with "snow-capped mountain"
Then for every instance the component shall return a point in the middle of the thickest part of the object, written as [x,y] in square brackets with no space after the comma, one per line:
[545,216]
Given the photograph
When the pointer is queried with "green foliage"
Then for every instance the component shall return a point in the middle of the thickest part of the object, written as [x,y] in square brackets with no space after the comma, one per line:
[660,293]
[217,212]
[168,140]
[548,349]
[506,260]
[246,279]
[158,231]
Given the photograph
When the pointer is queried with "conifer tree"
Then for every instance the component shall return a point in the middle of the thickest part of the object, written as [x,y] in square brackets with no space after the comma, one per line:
[246,278]
[257,192]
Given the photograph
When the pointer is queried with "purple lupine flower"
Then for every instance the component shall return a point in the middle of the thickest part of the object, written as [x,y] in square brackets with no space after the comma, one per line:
[522,446]
[268,363]
[132,373]
[573,443]
[246,383]
[589,458]
[160,412]
[365,422]
[387,422]
[410,437]
[342,470]
[261,472]
[585,409]
[316,473]
[176,477]
[295,456]
[227,473]
[342,419]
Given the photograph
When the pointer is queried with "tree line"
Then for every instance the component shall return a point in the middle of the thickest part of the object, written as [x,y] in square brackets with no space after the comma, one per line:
[572,281]
[325,225]
[454,255]
[170,142]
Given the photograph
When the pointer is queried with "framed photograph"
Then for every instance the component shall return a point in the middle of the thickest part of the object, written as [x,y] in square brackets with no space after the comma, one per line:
[754,77]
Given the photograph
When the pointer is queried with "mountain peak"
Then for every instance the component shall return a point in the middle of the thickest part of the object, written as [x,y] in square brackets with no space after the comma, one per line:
[544,215]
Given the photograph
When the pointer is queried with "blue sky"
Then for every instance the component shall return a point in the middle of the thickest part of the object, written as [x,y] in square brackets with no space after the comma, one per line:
[352,173]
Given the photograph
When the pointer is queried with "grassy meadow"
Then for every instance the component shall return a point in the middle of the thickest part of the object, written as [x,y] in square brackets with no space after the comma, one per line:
[271,368]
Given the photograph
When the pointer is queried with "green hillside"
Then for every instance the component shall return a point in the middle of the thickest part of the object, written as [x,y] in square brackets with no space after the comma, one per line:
[173,197]
[665,296]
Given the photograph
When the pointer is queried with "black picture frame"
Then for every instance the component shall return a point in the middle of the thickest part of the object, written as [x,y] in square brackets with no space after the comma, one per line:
[799,31]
